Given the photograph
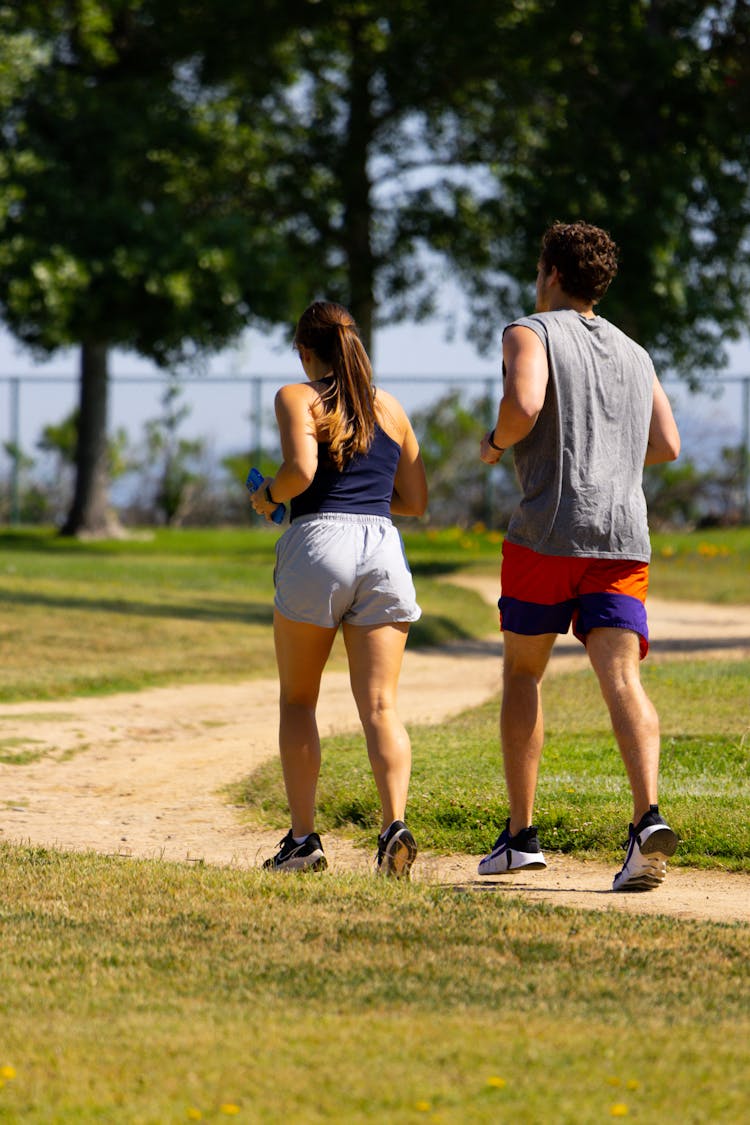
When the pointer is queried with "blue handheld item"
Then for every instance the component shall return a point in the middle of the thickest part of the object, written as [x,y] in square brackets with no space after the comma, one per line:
[253,483]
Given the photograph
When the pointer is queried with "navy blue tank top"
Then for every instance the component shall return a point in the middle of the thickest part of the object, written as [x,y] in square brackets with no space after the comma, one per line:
[364,487]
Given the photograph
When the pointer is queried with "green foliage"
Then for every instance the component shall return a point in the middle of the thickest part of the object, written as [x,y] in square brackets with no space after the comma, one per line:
[463,491]
[632,116]
[171,462]
[132,221]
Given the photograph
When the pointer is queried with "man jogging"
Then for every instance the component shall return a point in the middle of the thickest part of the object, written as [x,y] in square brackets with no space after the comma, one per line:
[584,411]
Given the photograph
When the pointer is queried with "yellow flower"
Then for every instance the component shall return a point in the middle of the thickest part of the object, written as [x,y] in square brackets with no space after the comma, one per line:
[619,1110]
[633,1084]
[423,1107]
[194,1114]
[230,1109]
[496,1081]
[7,1072]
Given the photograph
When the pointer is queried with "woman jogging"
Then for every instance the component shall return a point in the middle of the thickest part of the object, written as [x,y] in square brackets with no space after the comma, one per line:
[350,461]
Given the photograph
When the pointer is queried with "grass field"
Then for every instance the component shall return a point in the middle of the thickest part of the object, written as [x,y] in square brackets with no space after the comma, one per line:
[156,993]
[147,992]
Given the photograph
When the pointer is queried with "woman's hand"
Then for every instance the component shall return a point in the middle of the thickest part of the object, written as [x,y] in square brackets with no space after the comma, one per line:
[259,499]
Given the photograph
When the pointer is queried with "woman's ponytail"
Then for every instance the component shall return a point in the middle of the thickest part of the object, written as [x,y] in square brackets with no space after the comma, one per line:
[329,330]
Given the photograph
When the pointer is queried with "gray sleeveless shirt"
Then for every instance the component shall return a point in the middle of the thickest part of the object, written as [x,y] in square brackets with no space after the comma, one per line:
[581,467]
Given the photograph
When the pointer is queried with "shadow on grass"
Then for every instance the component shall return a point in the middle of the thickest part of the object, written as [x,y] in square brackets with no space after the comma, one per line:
[698,645]
[434,568]
[249,613]
[433,631]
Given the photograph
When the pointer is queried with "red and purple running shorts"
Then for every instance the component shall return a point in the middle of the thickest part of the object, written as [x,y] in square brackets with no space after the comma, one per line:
[545,593]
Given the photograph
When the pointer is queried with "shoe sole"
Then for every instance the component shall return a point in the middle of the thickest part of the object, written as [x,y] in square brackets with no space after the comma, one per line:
[659,846]
[399,857]
[661,842]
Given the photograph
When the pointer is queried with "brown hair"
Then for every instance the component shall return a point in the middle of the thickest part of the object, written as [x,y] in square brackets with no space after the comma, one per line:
[329,330]
[585,257]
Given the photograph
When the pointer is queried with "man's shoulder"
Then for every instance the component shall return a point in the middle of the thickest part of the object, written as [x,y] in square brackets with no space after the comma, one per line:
[534,321]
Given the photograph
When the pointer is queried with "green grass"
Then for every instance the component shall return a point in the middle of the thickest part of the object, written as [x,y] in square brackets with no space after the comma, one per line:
[709,566]
[178,607]
[173,607]
[145,992]
[457,797]
[154,993]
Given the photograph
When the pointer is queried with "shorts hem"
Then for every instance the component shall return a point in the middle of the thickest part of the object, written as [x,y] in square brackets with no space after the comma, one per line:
[387,620]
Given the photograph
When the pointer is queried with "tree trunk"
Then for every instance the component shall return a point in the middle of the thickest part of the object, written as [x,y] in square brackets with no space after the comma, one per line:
[90,514]
[357,187]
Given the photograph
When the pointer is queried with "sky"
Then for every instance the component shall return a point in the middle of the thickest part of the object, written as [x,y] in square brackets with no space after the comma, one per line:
[220,412]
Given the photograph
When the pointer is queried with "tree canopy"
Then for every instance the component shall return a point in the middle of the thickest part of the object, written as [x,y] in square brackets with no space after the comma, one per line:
[638,122]
[136,212]
[173,171]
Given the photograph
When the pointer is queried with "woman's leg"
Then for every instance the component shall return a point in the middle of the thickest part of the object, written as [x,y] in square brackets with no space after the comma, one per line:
[375,655]
[301,654]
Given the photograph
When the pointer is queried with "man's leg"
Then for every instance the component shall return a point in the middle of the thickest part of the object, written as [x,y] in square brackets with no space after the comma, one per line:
[521,720]
[615,657]
[614,654]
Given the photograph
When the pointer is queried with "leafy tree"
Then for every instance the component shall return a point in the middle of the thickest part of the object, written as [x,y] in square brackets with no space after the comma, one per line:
[381,94]
[175,169]
[134,212]
[432,136]
[639,121]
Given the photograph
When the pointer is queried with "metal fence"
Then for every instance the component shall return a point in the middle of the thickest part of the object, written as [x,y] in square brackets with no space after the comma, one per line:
[234,413]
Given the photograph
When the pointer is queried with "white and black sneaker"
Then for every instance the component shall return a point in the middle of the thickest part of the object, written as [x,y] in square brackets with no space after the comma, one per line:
[649,845]
[513,853]
[397,850]
[307,856]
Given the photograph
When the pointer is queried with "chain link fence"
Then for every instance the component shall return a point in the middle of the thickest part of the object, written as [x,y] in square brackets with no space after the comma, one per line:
[234,414]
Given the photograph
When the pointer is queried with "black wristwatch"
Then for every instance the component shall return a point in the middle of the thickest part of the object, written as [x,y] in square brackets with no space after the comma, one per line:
[269,497]
[490,437]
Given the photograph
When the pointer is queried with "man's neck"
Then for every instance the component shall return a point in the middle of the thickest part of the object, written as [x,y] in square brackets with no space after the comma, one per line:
[562,300]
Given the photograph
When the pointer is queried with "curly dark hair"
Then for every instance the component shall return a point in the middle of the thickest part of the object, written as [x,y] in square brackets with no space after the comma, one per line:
[585,257]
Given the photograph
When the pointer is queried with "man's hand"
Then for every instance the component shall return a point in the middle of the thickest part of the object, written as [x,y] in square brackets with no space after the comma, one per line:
[489,452]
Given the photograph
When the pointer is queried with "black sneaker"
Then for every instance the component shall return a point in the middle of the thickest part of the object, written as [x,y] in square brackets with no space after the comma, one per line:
[513,853]
[307,856]
[650,844]
[397,850]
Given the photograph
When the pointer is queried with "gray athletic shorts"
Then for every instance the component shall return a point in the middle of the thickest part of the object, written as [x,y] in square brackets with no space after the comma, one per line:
[339,566]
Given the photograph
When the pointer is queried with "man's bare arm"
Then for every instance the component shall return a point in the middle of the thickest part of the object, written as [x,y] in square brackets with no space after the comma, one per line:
[663,435]
[526,377]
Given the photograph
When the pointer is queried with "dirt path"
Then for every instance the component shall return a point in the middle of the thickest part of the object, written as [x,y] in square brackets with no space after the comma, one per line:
[142,774]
